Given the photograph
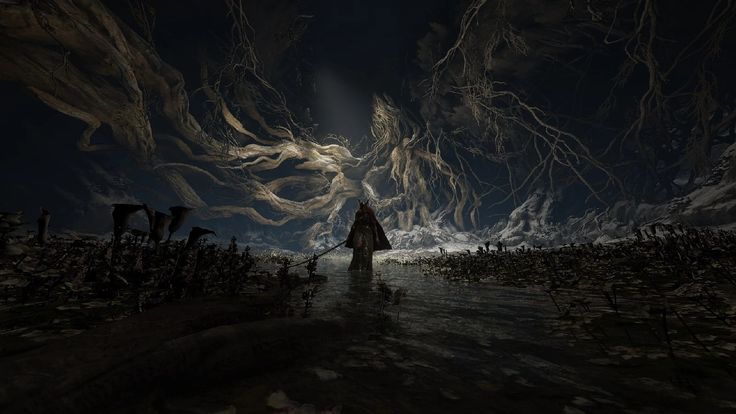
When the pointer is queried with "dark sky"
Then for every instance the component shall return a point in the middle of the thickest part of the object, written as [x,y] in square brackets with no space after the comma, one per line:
[360,48]
[356,47]
[368,41]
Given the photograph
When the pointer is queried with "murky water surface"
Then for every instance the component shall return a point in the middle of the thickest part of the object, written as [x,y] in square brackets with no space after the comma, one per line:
[454,347]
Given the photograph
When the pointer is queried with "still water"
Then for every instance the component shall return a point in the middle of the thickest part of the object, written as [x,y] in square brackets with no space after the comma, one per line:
[447,347]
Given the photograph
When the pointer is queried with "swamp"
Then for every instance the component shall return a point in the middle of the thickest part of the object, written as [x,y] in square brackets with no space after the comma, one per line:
[635,325]
[385,206]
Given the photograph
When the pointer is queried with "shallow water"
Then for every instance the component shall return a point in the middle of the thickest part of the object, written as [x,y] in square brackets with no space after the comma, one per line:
[456,347]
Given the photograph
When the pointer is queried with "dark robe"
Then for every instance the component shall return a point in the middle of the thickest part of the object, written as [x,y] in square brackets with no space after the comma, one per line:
[366,236]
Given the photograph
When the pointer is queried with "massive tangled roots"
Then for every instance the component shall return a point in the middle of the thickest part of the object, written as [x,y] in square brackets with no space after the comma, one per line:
[475,140]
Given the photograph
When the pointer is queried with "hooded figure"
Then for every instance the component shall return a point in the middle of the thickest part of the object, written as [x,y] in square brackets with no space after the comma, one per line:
[366,236]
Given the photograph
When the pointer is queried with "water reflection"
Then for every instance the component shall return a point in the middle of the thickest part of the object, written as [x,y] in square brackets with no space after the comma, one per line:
[457,347]
[359,293]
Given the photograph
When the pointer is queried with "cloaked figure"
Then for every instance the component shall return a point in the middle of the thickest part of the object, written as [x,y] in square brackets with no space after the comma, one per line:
[366,236]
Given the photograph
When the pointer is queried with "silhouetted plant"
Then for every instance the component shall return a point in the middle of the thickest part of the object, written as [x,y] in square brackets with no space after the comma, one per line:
[160,222]
[312,287]
[121,216]
[195,234]
[178,215]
